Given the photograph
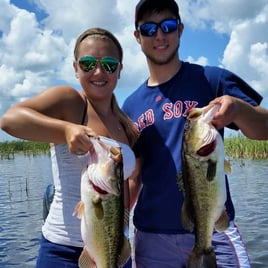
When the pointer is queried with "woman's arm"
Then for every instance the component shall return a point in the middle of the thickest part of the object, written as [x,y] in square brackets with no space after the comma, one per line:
[135,183]
[52,116]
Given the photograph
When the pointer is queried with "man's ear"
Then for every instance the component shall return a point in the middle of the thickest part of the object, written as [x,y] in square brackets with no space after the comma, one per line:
[180,27]
[137,36]
[121,68]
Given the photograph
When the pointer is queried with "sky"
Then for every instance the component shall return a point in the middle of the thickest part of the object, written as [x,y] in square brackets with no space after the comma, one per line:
[37,39]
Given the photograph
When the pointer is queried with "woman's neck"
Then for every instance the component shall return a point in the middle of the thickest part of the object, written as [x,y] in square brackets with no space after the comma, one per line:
[102,108]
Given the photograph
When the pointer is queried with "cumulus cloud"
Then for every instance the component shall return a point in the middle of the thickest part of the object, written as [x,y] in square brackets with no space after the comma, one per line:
[247,53]
[246,24]
[36,48]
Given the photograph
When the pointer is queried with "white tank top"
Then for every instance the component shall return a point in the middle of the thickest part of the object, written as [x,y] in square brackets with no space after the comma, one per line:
[61,226]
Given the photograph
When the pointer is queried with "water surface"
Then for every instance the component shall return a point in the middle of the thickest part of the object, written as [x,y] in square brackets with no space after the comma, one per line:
[24,179]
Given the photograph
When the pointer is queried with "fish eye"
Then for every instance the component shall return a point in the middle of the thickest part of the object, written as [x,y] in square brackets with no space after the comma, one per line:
[194,114]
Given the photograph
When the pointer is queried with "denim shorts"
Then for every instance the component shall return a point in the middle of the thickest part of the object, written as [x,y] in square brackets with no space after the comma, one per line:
[53,255]
[172,251]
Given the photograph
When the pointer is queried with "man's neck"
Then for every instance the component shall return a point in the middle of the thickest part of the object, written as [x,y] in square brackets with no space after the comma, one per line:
[160,74]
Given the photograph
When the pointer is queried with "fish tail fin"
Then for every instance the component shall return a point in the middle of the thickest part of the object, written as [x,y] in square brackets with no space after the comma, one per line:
[202,258]
[85,261]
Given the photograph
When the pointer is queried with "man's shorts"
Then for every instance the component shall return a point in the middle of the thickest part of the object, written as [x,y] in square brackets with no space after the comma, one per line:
[172,251]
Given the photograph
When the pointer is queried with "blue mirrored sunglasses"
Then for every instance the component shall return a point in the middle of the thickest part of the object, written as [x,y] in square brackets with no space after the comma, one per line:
[89,63]
[150,28]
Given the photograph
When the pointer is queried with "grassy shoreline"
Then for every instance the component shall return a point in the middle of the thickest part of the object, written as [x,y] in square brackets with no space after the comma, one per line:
[235,147]
[8,149]
[242,147]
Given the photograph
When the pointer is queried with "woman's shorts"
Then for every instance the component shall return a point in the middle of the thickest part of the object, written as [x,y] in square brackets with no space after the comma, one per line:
[53,255]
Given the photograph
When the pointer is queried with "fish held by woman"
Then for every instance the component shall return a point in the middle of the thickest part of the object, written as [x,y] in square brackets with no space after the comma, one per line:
[203,183]
[101,208]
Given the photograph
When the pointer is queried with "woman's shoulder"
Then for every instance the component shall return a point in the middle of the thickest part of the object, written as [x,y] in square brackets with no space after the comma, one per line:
[65,96]
[64,102]
[64,91]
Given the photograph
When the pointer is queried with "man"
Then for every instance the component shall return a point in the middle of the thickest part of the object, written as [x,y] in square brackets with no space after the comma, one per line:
[172,89]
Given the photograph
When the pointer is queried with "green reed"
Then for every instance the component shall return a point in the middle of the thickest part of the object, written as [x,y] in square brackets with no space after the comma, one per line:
[242,147]
[235,146]
[9,148]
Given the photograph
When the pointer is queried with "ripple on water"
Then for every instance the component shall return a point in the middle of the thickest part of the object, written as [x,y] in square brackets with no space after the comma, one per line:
[21,208]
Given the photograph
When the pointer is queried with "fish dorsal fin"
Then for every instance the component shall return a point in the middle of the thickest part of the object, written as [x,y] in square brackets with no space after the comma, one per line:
[125,253]
[223,222]
[85,261]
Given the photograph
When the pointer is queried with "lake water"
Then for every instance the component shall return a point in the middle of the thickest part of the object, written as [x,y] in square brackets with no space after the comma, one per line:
[24,179]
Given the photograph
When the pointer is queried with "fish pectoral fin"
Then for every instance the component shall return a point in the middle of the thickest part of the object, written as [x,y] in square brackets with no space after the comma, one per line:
[85,260]
[125,253]
[223,222]
[227,167]
[211,170]
[98,209]
[79,210]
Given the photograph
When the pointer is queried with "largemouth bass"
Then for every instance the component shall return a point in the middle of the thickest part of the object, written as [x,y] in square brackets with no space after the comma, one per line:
[102,208]
[203,183]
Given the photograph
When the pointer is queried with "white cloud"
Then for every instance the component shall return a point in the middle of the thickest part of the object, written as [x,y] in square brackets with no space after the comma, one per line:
[201,60]
[246,23]
[258,60]
[37,54]
[246,53]
[72,17]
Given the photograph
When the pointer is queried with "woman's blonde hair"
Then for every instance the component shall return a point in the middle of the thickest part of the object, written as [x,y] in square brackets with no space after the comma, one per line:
[123,118]
[98,33]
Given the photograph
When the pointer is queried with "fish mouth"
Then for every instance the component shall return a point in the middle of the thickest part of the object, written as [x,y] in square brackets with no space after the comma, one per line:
[103,188]
[98,189]
[207,149]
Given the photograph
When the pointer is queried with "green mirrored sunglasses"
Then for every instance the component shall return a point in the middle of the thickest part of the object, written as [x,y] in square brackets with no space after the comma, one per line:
[89,63]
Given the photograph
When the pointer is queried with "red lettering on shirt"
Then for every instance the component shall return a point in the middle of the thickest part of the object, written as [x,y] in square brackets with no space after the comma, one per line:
[149,117]
[178,108]
[167,108]
[145,120]
[141,122]
[170,111]
[189,105]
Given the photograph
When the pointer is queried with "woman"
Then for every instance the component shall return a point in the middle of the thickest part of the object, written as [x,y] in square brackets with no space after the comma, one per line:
[66,118]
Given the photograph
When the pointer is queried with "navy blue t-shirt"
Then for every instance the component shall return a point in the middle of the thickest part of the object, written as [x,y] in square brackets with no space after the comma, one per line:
[159,113]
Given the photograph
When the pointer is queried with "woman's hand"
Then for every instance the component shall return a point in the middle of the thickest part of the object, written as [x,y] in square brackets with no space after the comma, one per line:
[77,139]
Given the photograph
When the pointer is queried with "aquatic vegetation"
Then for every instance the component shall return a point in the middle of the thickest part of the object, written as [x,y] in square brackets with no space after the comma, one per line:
[235,146]
[9,148]
[242,147]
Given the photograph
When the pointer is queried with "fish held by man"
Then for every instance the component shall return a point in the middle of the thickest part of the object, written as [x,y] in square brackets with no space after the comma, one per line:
[101,208]
[203,183]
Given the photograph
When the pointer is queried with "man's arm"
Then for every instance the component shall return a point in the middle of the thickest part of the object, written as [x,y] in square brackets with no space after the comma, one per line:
[251,120]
